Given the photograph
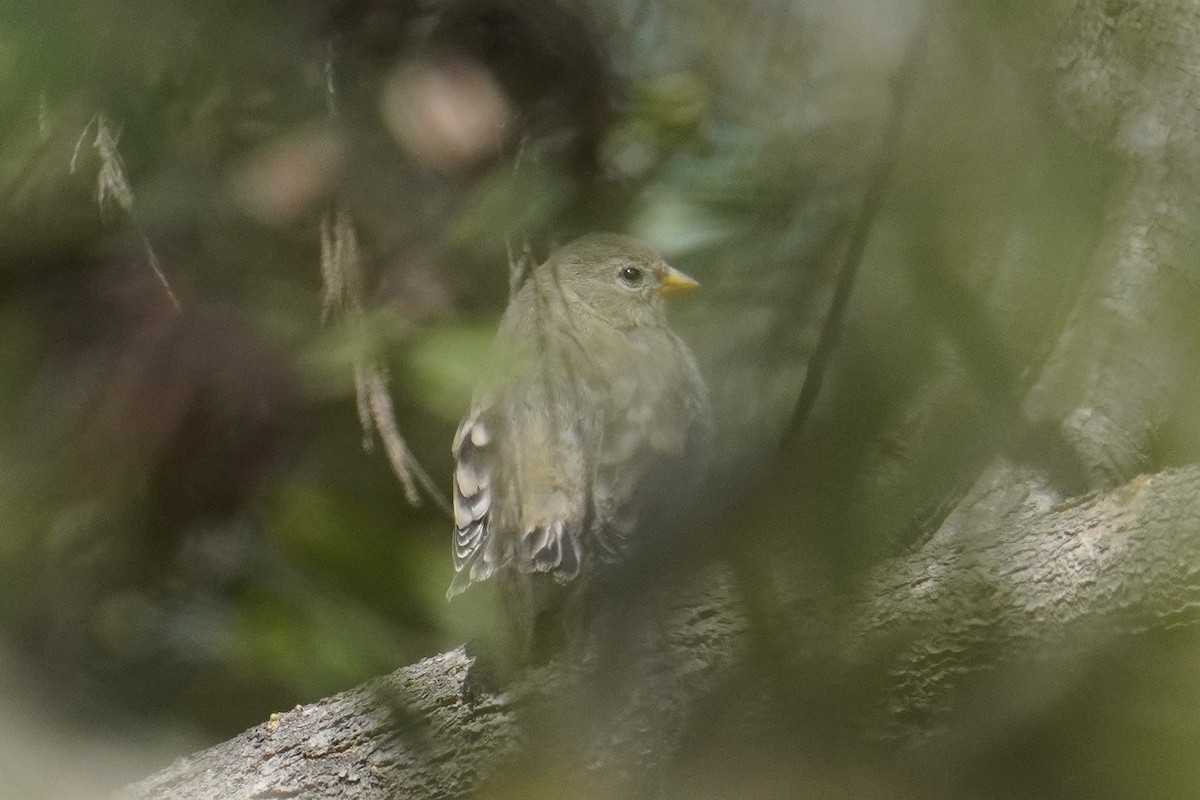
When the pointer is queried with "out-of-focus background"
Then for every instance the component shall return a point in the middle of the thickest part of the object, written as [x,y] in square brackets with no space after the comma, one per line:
[230,232]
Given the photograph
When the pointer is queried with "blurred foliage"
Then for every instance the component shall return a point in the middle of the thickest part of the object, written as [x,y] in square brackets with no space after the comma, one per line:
[195,535]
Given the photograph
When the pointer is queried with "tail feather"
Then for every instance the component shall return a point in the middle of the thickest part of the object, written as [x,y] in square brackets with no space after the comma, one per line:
[550,547]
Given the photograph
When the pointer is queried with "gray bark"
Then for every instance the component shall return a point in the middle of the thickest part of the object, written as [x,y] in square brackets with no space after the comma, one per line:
[1047,582]
[353,744]
[1116,373]
[1126,80]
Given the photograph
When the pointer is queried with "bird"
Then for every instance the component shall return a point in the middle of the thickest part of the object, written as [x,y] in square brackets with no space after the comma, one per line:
[601,429]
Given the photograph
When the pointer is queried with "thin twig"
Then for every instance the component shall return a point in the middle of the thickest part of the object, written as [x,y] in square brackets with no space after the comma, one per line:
[903,83]
[518,266]
[331,94]
[342,290]
[404,464]
[113,188]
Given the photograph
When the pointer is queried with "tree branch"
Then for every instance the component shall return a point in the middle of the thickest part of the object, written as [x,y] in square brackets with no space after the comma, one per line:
[930,626]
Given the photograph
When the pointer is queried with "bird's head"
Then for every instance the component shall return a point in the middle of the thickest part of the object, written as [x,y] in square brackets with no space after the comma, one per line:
[618,277]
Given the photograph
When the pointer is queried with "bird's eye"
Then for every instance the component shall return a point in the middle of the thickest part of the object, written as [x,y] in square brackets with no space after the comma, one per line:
[630,275]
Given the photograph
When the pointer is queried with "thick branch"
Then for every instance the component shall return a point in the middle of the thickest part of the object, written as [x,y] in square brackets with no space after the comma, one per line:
[1126,80]
[932,624]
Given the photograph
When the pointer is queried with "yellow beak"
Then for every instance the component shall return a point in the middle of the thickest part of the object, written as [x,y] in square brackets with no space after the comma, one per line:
[675,282]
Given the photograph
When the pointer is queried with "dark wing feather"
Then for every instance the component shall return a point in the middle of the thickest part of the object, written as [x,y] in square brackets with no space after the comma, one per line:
[551,547]
[474,455]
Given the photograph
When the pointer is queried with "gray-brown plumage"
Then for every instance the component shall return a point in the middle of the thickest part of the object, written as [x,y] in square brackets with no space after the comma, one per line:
[603,423]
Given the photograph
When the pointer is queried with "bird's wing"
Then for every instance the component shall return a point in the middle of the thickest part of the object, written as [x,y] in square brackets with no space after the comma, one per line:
[474,477]
[546,472]
[542,468]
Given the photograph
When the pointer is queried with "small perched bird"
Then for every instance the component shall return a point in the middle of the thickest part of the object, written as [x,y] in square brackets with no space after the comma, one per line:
[601,430]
